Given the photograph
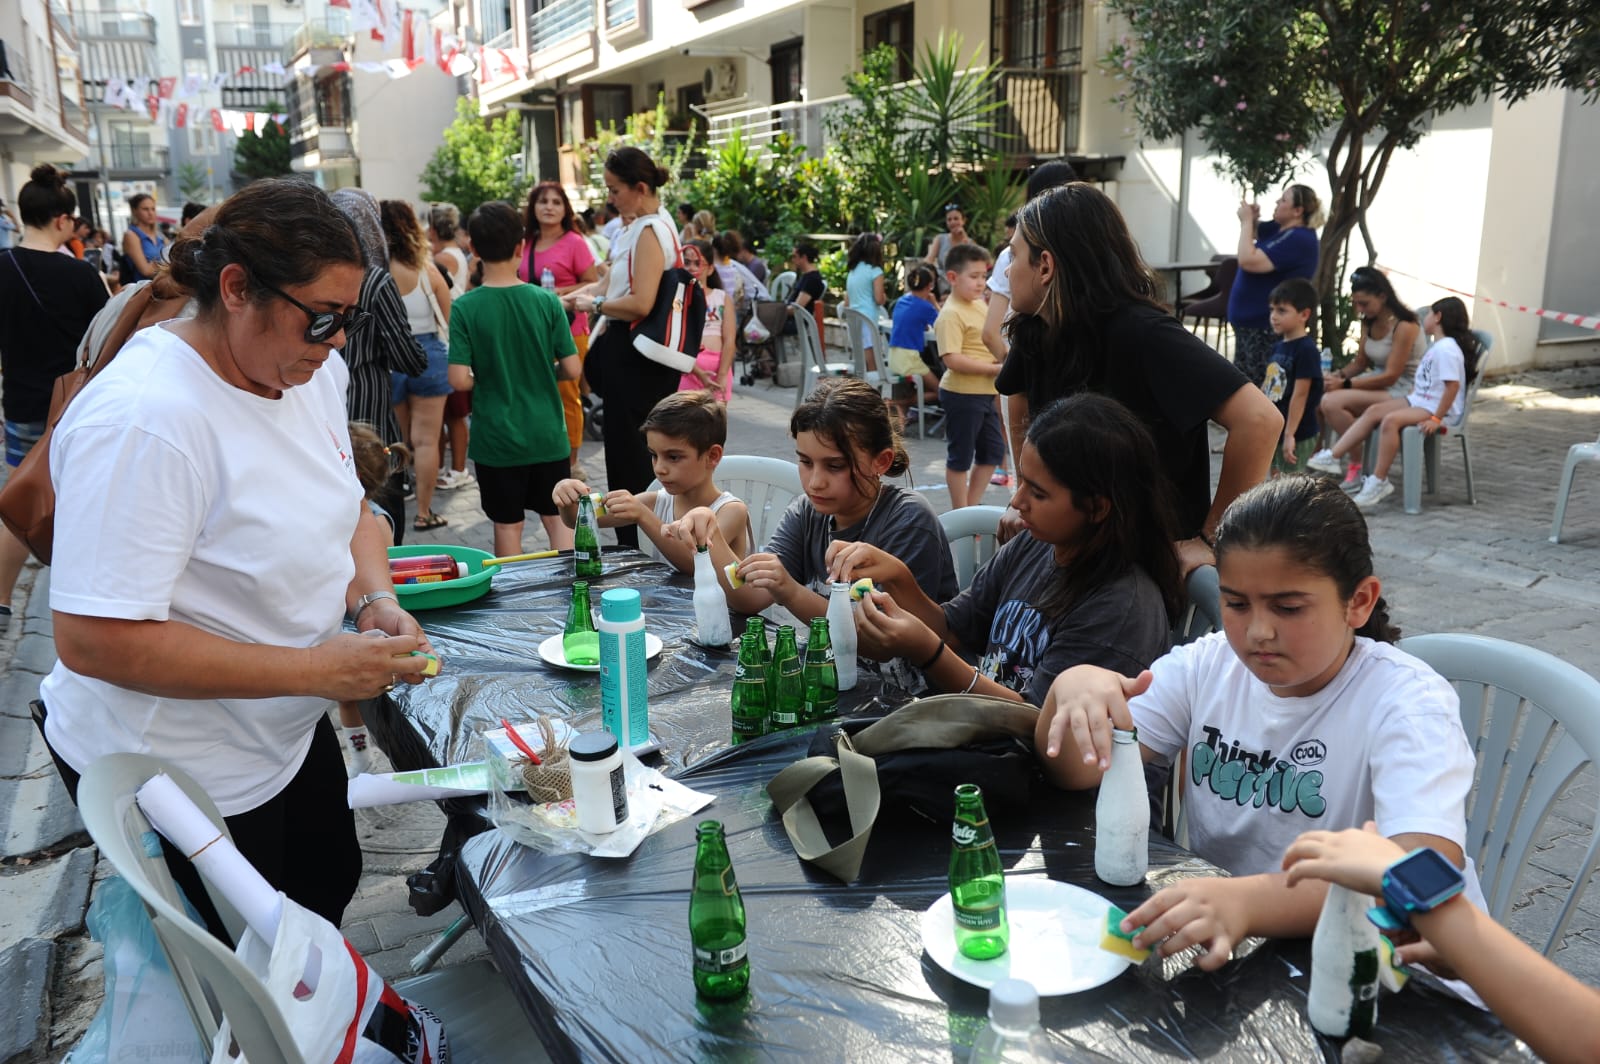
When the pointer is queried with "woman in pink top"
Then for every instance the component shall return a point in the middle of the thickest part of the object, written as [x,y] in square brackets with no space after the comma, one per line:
[713,366]
[554,244]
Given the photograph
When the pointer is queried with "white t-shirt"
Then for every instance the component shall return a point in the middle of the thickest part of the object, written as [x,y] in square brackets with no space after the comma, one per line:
[620,281]
[1382,741]
[181,497]
[1441,363]
[998,281]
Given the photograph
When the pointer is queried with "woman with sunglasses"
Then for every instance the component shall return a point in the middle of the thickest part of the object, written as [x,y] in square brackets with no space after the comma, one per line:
[211,538]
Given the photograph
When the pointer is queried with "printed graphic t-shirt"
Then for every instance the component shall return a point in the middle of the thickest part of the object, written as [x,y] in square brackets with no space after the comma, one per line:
[1294,361]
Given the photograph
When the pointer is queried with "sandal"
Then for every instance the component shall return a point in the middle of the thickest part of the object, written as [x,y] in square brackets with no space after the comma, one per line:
[428,520]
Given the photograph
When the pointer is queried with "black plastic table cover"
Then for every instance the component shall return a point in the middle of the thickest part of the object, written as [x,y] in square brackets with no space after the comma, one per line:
[598,953]
[492,668]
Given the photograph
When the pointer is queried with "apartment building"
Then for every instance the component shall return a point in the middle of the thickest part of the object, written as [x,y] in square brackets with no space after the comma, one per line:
[42,114]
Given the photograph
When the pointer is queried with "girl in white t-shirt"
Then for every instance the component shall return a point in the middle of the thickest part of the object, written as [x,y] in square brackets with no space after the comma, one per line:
[1437,400]
[1298,715]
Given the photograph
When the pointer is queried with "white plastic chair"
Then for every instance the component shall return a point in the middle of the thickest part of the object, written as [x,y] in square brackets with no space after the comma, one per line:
[971,531]
[766,485]
[1202,614]
[1578,452]
[781,285]
[1534,722]
[481,1019]
[813,358]
[1417,449]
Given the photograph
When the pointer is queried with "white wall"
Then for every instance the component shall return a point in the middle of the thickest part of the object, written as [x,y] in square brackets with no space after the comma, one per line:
[398,123]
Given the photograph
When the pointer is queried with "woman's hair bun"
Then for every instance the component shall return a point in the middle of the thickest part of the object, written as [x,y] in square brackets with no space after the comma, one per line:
[44,172]
[663,175]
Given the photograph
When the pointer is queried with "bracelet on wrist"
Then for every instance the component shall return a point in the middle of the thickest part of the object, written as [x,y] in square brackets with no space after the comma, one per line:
[972,682]
[368,599]
[931,662]
[1349,382]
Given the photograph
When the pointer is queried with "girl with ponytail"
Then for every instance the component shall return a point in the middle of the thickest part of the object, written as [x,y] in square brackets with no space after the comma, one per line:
[1299,714]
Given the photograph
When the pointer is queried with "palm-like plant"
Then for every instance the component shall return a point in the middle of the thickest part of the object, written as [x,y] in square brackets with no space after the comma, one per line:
[949,106]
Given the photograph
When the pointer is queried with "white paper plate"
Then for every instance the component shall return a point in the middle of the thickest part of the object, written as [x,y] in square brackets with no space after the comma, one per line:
[1055,939]
[550,650]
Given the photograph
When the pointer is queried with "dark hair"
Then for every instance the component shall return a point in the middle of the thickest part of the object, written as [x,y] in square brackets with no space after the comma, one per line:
[1296,292]
[948,207]
[190,209]
[1453,323]
[407,243]
[532,224]
[1097,271]
[1313,521]
[1305,197]
[135,201]
[1369,280]
[610,210]
[1098,450]
[686,210]
[867,248]
[920,277]
[1049,175]
[698,417]
[713,279]
[732,243]
[961,256]
[634,167]
[374,459]
[851,415]
[496,230]
[283,231]
[1011,220]
[808,250]
[45,197]
[444,219]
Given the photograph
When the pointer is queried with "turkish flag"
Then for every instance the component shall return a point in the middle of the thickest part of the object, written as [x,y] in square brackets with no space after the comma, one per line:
[408,35]
[167,85]
[216,121]
[154,104]
[182,121]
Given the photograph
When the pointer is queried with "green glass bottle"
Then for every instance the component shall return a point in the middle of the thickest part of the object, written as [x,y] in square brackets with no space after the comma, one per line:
[821,677]
[756,626]
[586,541]
[788,705]
[977,880]
[716,918]
[580,643]
[751,707]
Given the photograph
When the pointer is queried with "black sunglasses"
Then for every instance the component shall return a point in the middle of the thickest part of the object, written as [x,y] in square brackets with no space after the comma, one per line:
[324,324]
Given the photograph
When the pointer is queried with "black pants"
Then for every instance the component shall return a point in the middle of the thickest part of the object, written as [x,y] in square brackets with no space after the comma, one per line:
[630,386]
[302,840]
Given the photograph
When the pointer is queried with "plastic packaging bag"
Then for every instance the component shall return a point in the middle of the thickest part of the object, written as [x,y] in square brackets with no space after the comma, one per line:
[755,332]
[143,1016]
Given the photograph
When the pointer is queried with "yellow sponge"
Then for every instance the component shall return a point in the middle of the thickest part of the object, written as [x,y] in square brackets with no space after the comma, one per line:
[861,589]
[1118,941]
[1392,975]
[734,579]
[598,500]
[430,665]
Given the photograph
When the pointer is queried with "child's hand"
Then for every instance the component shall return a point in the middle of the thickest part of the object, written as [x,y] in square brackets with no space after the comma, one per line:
[1288,450]
[1352,859]
[695,528]
[568,492]
[884,631]
[1205,912]
[1089,702]
[1432,425]
[767,572]
[850,562]
[623,507]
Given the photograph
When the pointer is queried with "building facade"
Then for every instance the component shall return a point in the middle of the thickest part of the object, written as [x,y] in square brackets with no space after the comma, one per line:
[43,118]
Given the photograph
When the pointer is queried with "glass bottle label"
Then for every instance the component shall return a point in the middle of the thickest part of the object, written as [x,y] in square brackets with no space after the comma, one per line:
[967,836]
[986,919]
[720,961]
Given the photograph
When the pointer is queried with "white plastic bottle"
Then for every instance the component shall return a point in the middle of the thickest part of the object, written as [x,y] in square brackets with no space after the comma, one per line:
[599,782]
[1122,815]
[1013,1034]
[842,634]
[547,280]
[624,671]
[1343,1001]
[713,629]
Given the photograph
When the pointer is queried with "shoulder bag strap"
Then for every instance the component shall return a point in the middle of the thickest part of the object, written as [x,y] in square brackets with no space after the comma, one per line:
[788,791]
[944,722]
[11,253]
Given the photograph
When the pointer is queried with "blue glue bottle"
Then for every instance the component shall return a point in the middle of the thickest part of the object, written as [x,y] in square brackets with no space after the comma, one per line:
[624,670]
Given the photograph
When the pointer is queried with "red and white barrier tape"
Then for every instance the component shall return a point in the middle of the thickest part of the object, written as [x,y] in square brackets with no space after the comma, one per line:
[1582,321]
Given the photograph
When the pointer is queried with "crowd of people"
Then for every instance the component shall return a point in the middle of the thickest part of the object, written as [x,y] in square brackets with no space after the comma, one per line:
[227,487]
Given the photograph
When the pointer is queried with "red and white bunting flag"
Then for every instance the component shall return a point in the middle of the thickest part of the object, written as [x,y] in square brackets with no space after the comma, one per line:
[408,34]
[166,87]
[152,104]
[182,119]
[216,121]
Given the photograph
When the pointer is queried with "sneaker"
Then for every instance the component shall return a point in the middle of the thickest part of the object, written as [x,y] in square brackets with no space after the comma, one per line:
[445,480]
[1324,462]
[463,478]
[411,489]
[1001,477]
[1373,491]
[1352,479]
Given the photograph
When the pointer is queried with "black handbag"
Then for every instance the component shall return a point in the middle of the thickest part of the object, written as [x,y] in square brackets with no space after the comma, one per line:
[670,332]
[908,761]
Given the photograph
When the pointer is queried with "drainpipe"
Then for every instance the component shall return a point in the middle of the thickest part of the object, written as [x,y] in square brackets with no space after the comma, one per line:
[1182,209]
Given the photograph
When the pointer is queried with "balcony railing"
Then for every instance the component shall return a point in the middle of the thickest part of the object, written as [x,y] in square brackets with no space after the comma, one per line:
[272,35]
[331,31]
[559,22]
[141,157]
[621,12]
[117,26]
[1038,117]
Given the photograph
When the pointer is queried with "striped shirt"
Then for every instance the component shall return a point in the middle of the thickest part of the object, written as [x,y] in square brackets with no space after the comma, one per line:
[385,344]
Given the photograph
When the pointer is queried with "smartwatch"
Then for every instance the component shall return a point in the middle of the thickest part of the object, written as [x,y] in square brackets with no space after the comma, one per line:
[1419,882]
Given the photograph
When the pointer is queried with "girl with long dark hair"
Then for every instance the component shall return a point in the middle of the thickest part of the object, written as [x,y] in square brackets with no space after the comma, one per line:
[1089,318]
[1391,338]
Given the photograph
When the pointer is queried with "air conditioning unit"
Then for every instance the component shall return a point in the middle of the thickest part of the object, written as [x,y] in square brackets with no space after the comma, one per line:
[721,80]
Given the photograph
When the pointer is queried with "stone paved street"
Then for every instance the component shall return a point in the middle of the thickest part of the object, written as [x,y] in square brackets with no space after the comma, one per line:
[1487,568]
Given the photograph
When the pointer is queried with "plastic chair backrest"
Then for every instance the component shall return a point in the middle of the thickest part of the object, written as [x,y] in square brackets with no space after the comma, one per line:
[781,285]
[201,963]
[971,532]
[766,485]
[1516,703]
[1202,614]
[854,320]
